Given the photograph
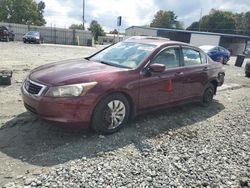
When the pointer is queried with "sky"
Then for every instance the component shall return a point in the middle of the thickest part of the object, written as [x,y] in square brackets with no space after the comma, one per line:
[63,13]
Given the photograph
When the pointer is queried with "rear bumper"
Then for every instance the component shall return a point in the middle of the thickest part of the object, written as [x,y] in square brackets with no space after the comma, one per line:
[247,68]
[221,78]
[64,110]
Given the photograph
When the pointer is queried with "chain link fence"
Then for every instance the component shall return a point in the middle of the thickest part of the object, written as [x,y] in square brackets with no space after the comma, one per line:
[53,35]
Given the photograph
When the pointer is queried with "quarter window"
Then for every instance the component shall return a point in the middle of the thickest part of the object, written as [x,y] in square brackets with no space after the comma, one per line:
[169,57]
[191,57]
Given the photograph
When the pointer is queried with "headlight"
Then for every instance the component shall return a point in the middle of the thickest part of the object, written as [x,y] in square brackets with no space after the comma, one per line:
[37,37]
[70,90]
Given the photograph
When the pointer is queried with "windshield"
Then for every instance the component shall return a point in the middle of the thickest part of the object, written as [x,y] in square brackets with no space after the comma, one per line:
[206,48]
[124,54]
[32,33]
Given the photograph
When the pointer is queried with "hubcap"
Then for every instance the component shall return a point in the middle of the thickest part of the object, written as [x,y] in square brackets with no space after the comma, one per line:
[114,114]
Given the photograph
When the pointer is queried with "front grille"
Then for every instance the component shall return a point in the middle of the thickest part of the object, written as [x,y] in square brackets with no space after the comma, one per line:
[33,88]
[29,108]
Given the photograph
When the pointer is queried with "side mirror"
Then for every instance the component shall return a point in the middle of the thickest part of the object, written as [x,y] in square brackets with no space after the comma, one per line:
[157,68]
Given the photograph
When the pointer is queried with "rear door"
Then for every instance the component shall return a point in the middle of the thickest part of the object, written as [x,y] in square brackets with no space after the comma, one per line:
[195,73]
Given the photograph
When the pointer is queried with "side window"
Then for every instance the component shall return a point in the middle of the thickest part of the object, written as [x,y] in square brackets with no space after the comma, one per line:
[222,49]
[203,58]
[191,57]
[169,57]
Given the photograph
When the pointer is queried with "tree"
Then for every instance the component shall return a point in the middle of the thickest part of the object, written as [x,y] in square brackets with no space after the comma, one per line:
[114,31]
[40,12]
[194,26]
[22,12]
[245,25]
[218,21]
[166,19]
[96,29]
[77,26]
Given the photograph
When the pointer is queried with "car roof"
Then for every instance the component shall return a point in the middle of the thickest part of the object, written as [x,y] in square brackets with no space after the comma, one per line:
[208,46]
[158,41]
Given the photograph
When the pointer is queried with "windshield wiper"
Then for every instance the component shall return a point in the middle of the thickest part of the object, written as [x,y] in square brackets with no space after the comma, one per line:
[114,65]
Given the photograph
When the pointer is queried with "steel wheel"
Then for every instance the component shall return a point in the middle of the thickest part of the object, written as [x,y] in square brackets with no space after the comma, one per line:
[208,95]
[114,114]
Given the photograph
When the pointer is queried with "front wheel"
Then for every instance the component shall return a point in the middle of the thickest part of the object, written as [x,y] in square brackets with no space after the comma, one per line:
[7,39]
[111,114]
[208,94]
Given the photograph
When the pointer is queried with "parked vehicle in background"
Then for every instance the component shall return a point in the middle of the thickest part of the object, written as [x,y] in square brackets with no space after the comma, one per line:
[247,69]
[115,84]
[247,51]
[6,34]
[217,53]
[33,37]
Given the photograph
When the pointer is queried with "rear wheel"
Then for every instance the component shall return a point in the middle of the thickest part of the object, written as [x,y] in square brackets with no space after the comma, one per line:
[222,60]
[111,114]
[208,94]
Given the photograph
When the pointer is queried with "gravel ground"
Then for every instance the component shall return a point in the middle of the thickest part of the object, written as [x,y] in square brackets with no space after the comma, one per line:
[184,146]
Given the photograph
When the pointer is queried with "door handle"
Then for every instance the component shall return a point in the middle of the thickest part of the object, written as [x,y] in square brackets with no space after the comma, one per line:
[179,73]
[205,69]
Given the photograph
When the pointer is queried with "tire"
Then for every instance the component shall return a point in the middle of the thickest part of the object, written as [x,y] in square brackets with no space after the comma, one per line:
[247,74]
[222,60]
[105,121]
[225,60]
[208,94]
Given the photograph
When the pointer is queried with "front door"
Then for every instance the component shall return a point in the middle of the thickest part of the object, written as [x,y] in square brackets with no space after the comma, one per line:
[165,87]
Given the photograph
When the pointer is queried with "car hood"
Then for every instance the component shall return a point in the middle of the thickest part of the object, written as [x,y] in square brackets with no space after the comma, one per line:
[71,72]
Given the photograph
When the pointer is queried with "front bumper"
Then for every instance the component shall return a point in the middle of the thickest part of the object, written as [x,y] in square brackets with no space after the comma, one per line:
[65,110]
[30,40]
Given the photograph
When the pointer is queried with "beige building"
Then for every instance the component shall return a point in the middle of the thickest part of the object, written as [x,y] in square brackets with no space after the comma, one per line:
[110,38]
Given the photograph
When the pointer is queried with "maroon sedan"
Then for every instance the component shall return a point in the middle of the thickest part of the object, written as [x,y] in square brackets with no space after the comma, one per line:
[108,88]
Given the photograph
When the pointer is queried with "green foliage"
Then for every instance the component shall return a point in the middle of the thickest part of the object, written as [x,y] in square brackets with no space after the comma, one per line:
[77,26]
[96,29]
[22,12]
[114,31]
[166,19]
[223,22]
[194,26]
[245,26]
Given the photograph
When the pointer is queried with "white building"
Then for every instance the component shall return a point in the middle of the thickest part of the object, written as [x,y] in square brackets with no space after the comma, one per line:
[234,43]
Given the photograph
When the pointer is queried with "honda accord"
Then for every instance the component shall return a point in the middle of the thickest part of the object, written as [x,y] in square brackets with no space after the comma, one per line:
[105,90]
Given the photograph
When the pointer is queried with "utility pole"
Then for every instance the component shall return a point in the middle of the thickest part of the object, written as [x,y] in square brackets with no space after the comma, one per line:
[83,11]
[200,20]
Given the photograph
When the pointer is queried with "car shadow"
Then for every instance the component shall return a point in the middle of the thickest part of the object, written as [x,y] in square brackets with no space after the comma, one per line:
[37,142]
